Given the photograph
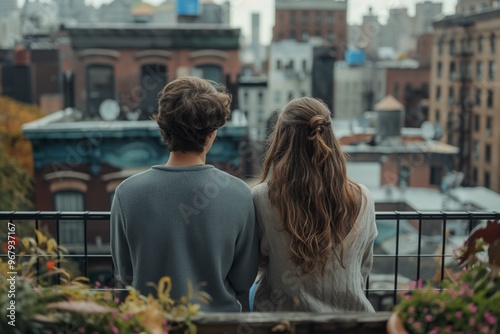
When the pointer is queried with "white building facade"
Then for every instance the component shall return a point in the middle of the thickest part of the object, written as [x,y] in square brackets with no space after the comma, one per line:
[290,72]
[357,88]
[252,97]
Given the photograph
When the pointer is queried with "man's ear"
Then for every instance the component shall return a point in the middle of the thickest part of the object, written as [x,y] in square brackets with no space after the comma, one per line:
[212,134]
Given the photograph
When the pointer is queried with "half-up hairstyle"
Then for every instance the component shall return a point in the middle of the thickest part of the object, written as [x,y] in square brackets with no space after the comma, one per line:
[315,200]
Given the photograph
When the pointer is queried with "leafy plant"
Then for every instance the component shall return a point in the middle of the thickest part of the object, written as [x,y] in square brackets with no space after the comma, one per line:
[468,301]
[74,306]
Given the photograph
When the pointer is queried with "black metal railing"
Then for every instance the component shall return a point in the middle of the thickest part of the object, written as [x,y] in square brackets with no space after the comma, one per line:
[429,230]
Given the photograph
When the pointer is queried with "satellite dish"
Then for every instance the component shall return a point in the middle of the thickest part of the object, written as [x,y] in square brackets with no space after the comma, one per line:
[109,110]
[428,130]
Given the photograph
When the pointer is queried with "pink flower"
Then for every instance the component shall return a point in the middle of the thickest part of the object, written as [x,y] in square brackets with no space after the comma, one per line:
[490,318]
[418,325]
[458,314]
[426,310]
[435,330]
[472,321]
[411,309]
[97,284]
[472,308]
[81,330]
[411,320]
[429,318]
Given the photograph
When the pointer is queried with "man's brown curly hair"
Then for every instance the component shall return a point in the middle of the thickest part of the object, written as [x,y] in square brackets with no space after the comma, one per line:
[189,108]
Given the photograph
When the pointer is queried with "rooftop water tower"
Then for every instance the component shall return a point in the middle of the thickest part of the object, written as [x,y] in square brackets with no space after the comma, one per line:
[390,120]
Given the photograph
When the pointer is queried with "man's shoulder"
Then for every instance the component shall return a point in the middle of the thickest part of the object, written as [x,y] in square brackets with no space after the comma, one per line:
[228,182]
[132,182]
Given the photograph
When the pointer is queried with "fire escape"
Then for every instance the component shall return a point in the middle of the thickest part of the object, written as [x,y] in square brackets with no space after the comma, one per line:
[461,108]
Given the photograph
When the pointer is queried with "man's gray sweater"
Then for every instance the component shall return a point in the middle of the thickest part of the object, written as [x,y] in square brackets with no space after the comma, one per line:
[195,224]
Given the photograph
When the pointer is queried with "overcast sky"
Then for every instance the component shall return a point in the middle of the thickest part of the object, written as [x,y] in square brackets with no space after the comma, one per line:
[242,9]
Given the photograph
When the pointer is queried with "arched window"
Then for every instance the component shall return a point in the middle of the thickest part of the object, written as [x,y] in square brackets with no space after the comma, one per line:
[453,47]
[153,79]
[70,231]
[492,43]
[210,72]
[100,87]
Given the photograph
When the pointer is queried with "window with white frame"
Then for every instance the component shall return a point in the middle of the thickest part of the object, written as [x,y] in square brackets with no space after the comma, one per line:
[70,231]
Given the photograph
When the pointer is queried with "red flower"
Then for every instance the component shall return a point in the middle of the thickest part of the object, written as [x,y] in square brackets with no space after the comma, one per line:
[50,265]
[14,241]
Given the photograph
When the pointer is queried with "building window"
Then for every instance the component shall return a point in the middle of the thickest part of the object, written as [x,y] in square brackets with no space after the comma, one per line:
[260,98]
[468,47]
[305,36]
[487,179]
[304,65]
[317,33]
[70,231]
[440,47]
[100,86]
[480,44]
[474,175]
[292,34]
[492,43]
[478,96]
[487,153]
[451,95]
[154,78]
[245,97]
[453,71]
[290,96]
[453,47]
[477,123]
[490,98]
[210,72]
[404,176]
[438,93]
[439,69]
[302,93]
[477,149]
[436,175]
[479,70]
[491,70]
[293,16]
[318,17]
[305,17]
[330,17]
[278,64]
[488,126]
[438,116]
[330,36]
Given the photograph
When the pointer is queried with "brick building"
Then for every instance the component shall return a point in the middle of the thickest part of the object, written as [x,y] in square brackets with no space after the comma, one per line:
[303,19]
[410,86]
[131,64]
[464,90]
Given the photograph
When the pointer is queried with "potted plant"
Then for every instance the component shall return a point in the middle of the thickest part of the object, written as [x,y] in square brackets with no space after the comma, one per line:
[47,299]
[466,302]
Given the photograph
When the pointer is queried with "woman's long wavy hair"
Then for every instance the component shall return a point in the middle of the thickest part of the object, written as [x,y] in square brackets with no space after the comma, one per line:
[315,200]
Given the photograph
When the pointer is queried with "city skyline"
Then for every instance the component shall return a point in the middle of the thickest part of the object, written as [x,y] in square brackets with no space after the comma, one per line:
[241,11]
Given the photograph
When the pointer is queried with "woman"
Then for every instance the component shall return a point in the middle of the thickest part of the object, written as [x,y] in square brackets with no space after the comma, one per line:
[316,226]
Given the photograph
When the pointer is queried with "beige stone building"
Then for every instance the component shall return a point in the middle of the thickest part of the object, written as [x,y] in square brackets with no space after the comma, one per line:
[465,90]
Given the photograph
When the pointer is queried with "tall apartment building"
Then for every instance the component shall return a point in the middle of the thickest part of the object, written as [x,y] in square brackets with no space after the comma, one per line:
[474,6]
[465,95]
[302,19]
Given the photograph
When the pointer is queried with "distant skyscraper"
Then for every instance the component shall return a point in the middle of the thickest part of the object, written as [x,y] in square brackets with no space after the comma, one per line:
[7,7]
[425,14]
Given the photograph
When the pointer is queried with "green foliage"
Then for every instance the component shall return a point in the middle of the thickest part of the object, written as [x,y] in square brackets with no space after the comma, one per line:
[468,301]
[73,306]
[16,185]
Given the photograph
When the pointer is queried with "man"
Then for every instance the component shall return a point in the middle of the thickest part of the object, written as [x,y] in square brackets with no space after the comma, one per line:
[187,220]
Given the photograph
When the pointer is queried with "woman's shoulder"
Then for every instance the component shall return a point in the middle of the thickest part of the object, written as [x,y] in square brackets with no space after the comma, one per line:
[259,191]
